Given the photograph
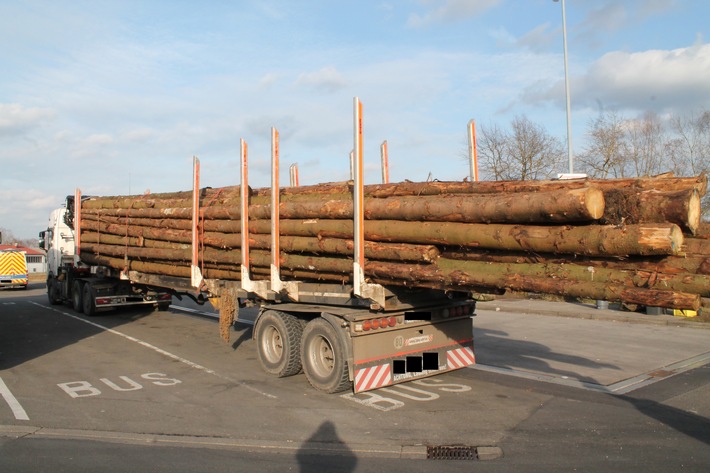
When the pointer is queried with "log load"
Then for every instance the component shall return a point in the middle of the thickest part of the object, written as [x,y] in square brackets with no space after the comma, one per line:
[617,240]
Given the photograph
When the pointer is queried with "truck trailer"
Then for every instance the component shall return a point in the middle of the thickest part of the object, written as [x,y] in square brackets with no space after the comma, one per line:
[349,335]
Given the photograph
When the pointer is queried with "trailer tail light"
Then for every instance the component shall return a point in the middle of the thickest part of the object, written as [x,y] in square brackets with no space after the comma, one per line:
[103,300]
[459,311]
[165,297]
[375,324]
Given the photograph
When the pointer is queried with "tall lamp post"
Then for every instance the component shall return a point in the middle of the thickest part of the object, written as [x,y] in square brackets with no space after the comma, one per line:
[570,155]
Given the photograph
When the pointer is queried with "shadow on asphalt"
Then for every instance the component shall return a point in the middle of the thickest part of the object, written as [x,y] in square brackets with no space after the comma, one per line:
[343,459]
[687,423]
[245,334]
[650,402]
[30,327]
[496,348]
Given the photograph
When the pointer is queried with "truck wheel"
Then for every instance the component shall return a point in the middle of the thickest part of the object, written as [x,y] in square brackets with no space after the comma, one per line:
[77,296]
[52,291]
[89,300]
[323,357]
[278,337]
[162,306]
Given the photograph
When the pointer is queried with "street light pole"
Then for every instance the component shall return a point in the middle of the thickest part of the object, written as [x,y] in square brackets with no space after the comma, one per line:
[570,155]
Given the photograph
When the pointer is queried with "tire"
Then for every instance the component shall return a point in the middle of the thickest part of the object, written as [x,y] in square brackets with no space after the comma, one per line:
[77,296]
[161,306]
[88,300]
[52,291]
[323,357]
[278,340]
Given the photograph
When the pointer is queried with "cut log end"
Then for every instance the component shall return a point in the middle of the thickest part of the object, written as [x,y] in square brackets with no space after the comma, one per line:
[661,239]
[694,213]
[594,202]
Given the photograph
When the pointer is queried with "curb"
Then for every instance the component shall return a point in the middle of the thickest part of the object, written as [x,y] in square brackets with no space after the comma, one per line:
[409,452]
[589,314]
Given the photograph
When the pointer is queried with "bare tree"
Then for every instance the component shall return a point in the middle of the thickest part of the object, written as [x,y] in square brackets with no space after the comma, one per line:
[689,150]
[645,145]
[604,156]
[492,146]
[526,152]
[7,237]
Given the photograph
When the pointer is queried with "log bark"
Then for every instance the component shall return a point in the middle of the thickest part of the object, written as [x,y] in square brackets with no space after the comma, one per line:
[624,205]
[590,240]
[593,240]
[697,246]
[660,264]
[334,246]
[457,279]
[666,182]
[683,282]
[163,269]
[557,206]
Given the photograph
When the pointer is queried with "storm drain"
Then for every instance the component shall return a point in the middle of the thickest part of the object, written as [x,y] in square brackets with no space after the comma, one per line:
[442,452]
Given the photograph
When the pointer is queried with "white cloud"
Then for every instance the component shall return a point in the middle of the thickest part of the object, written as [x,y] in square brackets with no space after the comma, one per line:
[539,38]
[653,79]
[448,11]
[17,120]
[98,139]
[649,80]
[137,135]
[502,36]
[653,7]
[268,80]
[327,79]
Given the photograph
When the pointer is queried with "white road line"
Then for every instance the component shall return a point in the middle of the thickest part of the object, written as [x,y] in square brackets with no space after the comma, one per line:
[12,401]
[619,388]
[158,350]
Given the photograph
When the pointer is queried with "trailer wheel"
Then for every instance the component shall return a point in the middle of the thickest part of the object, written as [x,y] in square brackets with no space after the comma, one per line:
[89,300]
[52,291]
[77,298]
[162,306]
[323,357]
[278,337]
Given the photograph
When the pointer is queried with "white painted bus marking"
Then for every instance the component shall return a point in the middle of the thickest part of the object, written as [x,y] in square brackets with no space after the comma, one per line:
[77,389]
[159,350]
[12,401]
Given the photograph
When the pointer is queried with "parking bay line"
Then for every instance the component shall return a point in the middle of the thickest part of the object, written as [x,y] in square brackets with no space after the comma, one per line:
[159,350]
[619,388]
[12,401]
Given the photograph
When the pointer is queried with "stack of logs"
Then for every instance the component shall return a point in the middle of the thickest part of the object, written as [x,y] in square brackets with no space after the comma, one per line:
[626,240]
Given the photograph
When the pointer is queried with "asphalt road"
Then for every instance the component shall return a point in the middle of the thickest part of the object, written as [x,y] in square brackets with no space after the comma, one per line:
[143,390]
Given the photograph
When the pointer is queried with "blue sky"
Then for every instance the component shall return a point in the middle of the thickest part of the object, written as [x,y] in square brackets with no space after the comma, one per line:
[117,96]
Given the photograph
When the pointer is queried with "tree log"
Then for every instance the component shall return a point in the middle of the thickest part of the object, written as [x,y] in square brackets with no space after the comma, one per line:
[660,264]
[590,240]
[697,246]
[558,206]
[624,205]
[457,279]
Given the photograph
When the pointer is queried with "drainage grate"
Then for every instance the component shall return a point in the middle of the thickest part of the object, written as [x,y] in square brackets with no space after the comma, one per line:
[451,453]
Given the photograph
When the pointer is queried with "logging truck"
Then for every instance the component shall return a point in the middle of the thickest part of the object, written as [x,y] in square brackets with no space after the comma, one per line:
[340,339]
[353,334]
